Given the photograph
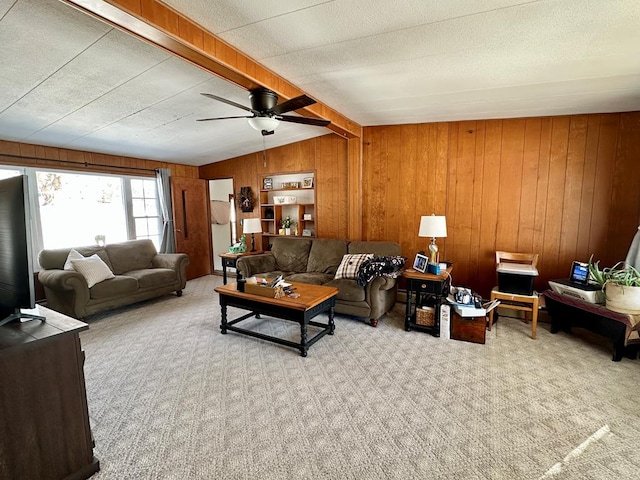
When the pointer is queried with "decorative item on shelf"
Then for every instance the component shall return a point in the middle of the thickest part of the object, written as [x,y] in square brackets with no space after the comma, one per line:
[433,226]
[268,213]
[287,224]
[246,199]
[267,183]
[307,182]
[307,216]
[307,233]
[252,226]
[290,184]
[281,231]
[284,200]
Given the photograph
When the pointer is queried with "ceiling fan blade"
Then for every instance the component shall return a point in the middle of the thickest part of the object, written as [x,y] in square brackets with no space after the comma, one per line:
[222,118]
[318,122]
[293,104]
[229,102]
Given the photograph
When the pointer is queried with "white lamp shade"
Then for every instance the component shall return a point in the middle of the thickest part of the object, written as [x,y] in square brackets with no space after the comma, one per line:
[263,123]
[433,226]
[251,225]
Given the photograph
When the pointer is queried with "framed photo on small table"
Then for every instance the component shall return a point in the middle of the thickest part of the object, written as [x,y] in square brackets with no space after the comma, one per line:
[420,263]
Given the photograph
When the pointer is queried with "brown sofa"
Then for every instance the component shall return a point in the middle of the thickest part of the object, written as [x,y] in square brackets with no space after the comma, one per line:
[140,273]
[315,260]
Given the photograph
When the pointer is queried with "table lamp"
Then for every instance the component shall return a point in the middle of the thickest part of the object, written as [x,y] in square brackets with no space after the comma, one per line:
[433,226]
[252,226]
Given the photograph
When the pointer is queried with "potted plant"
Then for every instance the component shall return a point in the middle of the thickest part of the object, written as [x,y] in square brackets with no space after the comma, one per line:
[287,223]
[621,285]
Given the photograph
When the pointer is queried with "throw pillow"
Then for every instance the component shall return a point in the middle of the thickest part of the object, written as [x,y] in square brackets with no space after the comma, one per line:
[93,269]
[350,265]
[73,255]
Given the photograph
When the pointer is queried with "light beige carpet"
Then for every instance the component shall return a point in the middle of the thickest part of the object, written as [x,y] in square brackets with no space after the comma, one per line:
[172,398]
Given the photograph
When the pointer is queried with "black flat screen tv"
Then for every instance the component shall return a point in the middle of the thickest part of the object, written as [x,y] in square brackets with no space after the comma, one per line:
[16,269]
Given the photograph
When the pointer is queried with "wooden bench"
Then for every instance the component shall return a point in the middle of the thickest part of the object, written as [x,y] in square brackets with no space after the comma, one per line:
[622,329]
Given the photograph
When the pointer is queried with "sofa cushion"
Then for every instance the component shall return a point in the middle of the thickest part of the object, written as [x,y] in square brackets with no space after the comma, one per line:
[350,265]
[73,255]
[96,250]
[56,258]
[93,269]
[153,277]
[118,286]
[379,249]
[349,290]
[325,255]
[131,255]
[310,277]
[291,254]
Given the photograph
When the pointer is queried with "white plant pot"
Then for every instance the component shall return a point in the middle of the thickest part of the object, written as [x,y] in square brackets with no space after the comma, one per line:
[622,299]
[287,231]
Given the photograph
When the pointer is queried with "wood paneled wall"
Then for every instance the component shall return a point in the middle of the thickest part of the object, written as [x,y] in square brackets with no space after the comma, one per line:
[326,156]
[565,187]
[14,153]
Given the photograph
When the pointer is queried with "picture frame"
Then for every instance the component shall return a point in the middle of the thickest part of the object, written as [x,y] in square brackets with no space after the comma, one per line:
[420,263]
[267,183]
[307,182]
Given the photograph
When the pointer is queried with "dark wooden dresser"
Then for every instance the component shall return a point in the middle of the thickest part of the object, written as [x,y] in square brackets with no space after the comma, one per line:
[44,419]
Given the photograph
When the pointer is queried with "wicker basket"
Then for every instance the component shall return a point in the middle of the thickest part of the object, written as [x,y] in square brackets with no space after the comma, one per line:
[426,316]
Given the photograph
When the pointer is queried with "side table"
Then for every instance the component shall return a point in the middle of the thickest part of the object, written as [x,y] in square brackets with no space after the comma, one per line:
[229,260]
[623,330]
[422,285]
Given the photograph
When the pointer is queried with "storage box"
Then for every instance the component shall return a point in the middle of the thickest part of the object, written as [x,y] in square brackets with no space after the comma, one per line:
[516,278]
[445,322]
[255,289]
[468,329]
[284,200]
[426,316]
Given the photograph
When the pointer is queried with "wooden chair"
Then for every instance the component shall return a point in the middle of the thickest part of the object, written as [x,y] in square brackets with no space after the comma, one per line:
[515,301]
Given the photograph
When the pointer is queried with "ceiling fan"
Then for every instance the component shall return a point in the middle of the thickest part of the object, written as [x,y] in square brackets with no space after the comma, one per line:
[266,113]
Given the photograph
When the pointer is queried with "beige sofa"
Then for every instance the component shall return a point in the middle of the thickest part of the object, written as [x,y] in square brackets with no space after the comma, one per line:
[315,260]
[140,273]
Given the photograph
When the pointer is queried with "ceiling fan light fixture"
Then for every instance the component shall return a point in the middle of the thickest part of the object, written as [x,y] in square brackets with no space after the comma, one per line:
[264,123]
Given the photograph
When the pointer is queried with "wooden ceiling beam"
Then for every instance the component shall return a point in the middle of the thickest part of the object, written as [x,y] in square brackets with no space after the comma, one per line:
[156,23]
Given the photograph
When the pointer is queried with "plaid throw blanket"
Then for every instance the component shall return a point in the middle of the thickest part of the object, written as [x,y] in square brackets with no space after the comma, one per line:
[390,267]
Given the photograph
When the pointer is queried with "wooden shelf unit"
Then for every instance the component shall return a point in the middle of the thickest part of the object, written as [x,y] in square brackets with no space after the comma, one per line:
[272,213]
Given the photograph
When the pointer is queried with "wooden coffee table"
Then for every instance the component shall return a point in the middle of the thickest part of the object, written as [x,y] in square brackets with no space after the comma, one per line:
[313,300]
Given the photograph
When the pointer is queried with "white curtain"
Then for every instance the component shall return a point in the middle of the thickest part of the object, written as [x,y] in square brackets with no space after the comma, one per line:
[633,257]
[167,238]
[37,244]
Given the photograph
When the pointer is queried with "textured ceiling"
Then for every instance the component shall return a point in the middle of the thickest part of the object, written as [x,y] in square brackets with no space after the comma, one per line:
[69,80]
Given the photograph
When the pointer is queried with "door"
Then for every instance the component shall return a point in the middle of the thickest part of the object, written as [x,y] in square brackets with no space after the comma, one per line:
[222,234]
[191,224]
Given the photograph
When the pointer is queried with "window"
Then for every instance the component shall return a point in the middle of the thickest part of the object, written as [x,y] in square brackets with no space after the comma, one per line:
[83,208]
[75,208]
[8,173]
[145,221]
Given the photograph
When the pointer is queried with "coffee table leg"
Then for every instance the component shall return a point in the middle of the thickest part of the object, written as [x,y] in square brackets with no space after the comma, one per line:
[223,311]
[332,326]
[303,338]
